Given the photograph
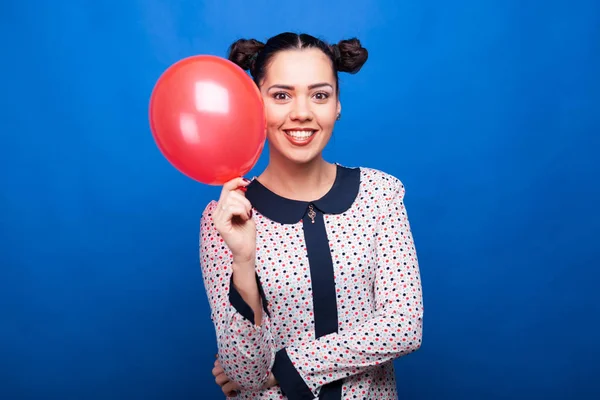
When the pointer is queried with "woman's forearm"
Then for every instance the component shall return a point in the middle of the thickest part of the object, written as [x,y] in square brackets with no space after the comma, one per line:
[244,280]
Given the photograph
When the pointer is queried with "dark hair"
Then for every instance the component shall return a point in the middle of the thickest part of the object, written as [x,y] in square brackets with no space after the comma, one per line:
[254,56]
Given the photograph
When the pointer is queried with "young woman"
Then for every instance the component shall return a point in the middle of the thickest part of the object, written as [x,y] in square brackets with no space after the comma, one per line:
[310,269]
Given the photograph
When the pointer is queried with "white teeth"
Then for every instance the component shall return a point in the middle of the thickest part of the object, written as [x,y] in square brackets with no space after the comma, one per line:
[300,134]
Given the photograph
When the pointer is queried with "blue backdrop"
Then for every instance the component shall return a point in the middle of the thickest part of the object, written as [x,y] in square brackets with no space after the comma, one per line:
[487,110]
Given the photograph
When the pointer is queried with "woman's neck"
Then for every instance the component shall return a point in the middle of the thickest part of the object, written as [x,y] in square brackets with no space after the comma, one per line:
[304,182]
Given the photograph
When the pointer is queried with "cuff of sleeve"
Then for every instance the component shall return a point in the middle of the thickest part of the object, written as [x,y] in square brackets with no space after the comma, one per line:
[291,383]
[236,300]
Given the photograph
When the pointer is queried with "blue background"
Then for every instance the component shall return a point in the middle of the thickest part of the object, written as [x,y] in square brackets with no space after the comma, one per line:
[488,111]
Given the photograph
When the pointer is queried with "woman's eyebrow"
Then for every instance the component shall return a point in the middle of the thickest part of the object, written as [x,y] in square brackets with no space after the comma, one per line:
[288,87]
[317,85]
[278,86]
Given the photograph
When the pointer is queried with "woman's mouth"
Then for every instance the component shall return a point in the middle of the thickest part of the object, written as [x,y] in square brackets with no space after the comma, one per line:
[300,137]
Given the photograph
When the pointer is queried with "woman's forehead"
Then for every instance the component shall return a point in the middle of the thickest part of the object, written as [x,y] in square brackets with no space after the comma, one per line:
[299,68]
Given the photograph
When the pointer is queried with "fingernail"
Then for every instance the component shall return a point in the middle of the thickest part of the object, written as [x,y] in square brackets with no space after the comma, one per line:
[243,188]
[245,180]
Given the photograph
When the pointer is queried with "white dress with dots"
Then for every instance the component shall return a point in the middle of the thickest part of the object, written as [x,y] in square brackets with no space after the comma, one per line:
[340,286]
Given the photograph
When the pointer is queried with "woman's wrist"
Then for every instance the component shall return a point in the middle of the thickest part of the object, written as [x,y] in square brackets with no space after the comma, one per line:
[244,260]
[244,278]
[241,264]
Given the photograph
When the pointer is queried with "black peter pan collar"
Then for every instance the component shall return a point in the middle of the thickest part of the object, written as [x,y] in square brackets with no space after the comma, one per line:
[286,211]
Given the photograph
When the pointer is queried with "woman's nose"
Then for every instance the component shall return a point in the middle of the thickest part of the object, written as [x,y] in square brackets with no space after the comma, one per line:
[301,111]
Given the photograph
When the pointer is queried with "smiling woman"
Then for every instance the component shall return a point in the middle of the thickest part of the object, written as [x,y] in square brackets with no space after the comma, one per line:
[298,78]
[310,269]
[301,103]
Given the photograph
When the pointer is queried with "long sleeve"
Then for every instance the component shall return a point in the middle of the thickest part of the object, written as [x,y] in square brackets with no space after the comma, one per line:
[394,330]
[245,350]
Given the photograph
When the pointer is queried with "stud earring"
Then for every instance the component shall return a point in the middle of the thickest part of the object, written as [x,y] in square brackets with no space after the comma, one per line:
[339,116]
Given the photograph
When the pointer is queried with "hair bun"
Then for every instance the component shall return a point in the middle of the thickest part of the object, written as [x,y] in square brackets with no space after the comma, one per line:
[243,52]
[349,55]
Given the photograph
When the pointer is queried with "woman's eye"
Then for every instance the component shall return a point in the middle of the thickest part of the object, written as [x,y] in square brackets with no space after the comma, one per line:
[322,96]
[280,96]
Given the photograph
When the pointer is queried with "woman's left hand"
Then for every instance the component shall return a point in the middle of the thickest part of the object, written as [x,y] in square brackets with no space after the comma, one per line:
[228,387]
[271,381]
[231,388]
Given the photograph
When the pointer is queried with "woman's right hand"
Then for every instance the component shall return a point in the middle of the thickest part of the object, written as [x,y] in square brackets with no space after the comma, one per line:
[233,220]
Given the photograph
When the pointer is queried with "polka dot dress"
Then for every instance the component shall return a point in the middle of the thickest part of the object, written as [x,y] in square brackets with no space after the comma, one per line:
[340,285]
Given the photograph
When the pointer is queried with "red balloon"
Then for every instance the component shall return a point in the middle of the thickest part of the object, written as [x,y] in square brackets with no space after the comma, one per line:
[207,118]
